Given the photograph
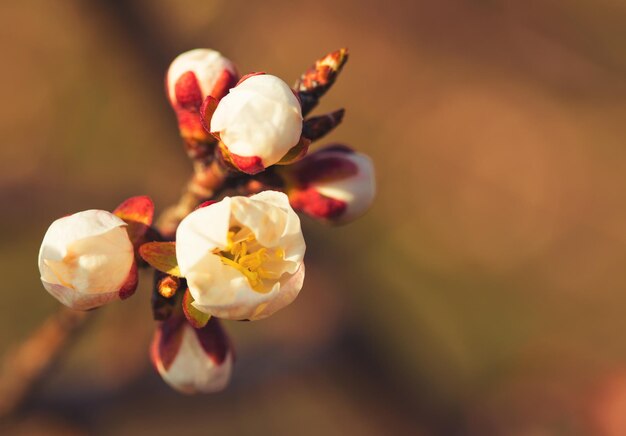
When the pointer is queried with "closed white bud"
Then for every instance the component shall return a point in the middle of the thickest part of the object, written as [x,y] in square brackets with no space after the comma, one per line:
[192,360]
[258,122]
[87,260]
[334,184]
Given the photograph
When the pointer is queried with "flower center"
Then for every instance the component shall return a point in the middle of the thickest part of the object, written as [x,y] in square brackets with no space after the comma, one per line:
[246,255]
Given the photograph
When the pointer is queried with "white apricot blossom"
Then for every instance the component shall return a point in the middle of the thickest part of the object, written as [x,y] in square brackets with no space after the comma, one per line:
[243,256]
[258,122]
[87,259]
[192,360]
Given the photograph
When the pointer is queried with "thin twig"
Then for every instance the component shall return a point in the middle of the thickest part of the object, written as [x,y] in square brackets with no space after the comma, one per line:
[26,365]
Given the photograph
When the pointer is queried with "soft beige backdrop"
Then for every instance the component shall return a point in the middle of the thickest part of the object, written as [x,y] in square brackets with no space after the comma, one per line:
[484,293]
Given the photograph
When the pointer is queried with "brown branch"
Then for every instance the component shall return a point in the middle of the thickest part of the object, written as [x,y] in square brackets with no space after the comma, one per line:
[206,182]
[27,364]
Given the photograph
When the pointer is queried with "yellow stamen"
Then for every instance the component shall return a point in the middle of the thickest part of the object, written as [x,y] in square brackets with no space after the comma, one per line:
[246,255]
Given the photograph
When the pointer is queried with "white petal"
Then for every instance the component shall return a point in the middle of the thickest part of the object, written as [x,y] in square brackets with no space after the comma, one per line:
[291,238]
[266,221]
[284,294]
[201,232]
[74,227]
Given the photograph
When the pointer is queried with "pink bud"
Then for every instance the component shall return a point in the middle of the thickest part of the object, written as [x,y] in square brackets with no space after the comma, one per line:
[192,360]
[191,78]
[334,184]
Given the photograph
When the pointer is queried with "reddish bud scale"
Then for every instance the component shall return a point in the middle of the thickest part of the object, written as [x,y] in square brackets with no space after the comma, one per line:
[214,341]
[247,76]
[205,204]
[319,78]
[247,164]
[192,111]
[317,205]
[130,285]
[310,171]
[188,92]
[168,339]
[316,127]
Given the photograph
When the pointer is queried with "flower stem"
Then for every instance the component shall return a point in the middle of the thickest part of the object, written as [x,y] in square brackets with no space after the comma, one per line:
[205,183]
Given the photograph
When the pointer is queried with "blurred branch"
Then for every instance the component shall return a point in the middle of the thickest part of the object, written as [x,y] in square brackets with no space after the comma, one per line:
[29,362]
[25,366]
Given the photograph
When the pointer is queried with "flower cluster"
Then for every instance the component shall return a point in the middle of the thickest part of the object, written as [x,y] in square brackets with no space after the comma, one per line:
[233,248]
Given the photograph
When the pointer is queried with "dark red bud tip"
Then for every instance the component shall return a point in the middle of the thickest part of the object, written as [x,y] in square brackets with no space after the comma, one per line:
[318,167]
[225,82]
[167,341]
[316,127]
[205,204]
[130,285]
[206,112]
[139,208]
[342,148]
[247,164]
[214,341]
[187,91]
[247,76]
[317,205]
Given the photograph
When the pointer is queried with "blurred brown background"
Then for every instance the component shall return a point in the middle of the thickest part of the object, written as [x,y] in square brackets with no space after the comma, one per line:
[484,294]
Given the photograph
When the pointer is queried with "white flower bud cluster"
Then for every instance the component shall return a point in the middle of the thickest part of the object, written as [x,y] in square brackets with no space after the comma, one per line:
[239,258]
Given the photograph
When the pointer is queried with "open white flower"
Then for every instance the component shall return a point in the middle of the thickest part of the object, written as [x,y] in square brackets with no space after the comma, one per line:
[192,360]
[87,260]
[259,121]
[334,184]
[243,256]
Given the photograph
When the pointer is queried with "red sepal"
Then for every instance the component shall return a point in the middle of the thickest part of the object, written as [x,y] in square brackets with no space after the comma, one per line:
[206,112]
[196,318]
[224,83]
[318,170]
[130,285]
[187,91]
[138,213]
[205,204]
[139,209]
[214,341]
[317,205]
[167,341]
[247,164]
[247,76]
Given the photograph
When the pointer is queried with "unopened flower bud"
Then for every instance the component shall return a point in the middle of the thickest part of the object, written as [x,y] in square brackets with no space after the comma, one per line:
[258,123]
[87,260]
[191,78]
[192,360]
[334,184]
[243,256]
